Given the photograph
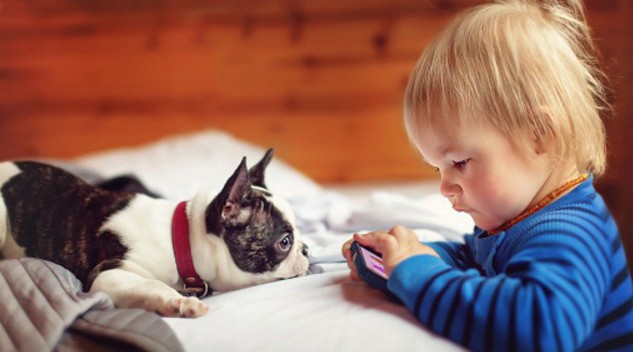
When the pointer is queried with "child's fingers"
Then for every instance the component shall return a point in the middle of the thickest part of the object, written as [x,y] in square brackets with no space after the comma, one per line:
[364,240]
[405,236]
[347,254]
[346,250]
[371,239]
[380,241]
[401,233]
[353,274]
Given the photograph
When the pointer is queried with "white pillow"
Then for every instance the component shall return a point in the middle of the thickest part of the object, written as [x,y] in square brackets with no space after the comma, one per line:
[179,166]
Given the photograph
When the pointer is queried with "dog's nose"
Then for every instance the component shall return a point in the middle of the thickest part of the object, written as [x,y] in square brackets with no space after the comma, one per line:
[304,250]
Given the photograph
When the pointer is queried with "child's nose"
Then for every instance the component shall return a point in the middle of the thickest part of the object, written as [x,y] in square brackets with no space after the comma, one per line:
[449,188]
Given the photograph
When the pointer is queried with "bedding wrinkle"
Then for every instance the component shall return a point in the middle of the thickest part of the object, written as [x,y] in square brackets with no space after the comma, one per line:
[110,318]
[49,305]
[27,297]
[11,334]
[44,309]
[118,324]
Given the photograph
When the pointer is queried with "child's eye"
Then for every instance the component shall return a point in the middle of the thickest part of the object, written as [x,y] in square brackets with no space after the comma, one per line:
[460,164]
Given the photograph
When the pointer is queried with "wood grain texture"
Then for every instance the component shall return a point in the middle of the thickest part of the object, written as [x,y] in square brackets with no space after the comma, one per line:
[617,187]
[319,80]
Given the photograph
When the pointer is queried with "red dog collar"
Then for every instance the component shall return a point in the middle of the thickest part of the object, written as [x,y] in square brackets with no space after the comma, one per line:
[193,284]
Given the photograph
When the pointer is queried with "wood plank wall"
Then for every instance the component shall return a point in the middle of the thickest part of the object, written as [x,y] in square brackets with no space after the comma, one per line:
[617,187]
[320,80]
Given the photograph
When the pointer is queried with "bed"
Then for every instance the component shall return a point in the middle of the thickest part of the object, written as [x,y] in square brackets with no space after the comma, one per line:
[324,311]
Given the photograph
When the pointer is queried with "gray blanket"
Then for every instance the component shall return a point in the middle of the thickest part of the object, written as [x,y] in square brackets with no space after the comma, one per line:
[43,308]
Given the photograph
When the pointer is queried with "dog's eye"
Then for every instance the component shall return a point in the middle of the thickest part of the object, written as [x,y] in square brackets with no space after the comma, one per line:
[285,244]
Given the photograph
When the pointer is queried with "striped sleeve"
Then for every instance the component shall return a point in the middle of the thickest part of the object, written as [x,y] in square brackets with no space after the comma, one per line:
[455,254]
[614,329]
[546,295]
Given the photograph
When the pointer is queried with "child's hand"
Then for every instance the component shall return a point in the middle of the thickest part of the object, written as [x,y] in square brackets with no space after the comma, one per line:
[395,246]
[347,253]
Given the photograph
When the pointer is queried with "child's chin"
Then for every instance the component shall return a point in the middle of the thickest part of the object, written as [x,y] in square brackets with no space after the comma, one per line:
[486,225]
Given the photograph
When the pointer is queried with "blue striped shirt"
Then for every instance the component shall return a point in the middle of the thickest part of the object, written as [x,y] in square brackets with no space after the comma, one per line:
[556,281]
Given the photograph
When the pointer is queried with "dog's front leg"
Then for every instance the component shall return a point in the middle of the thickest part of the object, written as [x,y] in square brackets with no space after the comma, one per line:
[130,290]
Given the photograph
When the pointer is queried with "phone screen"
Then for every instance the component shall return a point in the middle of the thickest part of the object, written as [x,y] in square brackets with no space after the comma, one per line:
[373,262]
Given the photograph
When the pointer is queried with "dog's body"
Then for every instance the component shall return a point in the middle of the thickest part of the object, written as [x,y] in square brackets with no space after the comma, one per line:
[121,243]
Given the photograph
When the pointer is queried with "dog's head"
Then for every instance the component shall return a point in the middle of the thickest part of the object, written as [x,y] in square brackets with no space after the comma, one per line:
[257,227]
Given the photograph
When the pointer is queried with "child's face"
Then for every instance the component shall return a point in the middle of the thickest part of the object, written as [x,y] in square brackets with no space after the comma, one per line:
[483,173]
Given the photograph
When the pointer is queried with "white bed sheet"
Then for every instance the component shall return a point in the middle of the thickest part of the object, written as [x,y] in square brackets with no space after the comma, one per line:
[324,311]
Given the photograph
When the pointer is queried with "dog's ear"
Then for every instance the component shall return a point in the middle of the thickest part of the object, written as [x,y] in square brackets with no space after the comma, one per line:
[229,207]
[256,172]
[238,185]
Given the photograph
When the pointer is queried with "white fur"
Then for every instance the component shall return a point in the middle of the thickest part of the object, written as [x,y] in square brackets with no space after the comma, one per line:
[144,227]
[130,290]
[148,275]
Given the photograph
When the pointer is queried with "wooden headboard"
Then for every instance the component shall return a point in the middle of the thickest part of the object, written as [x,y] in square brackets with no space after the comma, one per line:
[319,80]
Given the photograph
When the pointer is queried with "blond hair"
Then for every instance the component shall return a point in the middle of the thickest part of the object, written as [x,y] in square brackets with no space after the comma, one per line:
[521,65]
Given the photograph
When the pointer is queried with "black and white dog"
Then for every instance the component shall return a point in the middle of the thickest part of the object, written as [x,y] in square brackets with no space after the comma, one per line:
[140,250]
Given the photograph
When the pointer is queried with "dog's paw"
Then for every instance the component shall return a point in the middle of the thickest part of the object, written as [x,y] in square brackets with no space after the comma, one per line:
[189,307]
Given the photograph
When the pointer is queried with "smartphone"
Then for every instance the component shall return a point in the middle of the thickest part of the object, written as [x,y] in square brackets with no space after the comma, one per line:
[371,260]
[370,268]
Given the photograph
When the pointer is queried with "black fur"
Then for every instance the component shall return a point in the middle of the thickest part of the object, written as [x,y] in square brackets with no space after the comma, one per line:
[261,255]
[252,242]
[68,233]
[127,183]
[256,173]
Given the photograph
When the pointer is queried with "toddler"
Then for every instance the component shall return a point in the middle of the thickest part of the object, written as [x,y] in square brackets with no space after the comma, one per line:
[506,104]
